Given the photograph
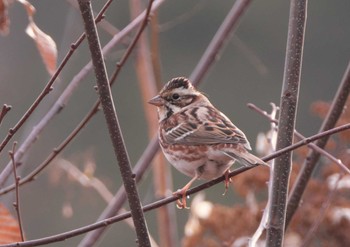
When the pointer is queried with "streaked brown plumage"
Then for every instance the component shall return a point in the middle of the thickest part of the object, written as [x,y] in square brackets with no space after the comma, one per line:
[196,138]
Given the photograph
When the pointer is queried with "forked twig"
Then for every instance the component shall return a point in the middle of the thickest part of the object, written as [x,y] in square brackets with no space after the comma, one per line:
[65,96]
[56,108]
[312,146]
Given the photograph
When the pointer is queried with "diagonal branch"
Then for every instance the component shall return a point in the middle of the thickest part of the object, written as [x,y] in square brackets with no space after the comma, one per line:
[312,146]
[280,172]
[311,160]
[111,117]
[62,101]
[173,198]
[207,60]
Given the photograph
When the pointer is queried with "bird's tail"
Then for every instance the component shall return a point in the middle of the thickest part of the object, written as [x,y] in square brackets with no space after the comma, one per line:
[246,158]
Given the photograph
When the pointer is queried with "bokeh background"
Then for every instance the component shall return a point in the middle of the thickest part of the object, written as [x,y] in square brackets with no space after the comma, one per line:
[250,70]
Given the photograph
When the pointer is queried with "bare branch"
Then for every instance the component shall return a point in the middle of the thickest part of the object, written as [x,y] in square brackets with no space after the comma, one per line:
[56,108]
[16,204]
[301,137]
[289,101]
[112,118]
[310,163]
[143,163]
[149,155]
[67,93]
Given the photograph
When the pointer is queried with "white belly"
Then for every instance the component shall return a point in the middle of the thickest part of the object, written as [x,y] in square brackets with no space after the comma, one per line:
[209,165]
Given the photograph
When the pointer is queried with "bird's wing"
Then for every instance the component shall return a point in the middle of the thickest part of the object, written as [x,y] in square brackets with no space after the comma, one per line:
[218,129]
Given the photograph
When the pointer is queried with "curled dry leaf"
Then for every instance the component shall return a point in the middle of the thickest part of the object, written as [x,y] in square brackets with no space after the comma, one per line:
[46,45]
[9,228]
[4,20]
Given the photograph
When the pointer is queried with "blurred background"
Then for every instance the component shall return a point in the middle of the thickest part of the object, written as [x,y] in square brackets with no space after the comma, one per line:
[249,70]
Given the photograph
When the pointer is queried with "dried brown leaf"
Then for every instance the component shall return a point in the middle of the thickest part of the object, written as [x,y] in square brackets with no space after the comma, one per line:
[9,228]
[45,44]
[4,20]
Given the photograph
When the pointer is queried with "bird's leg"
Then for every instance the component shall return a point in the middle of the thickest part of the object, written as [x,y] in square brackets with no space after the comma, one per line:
[227,180]
[181,203]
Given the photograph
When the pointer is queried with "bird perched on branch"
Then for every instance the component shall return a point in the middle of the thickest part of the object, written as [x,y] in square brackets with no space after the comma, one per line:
[196,138]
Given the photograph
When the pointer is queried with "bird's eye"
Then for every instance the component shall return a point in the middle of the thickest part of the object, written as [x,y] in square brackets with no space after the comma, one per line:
[175,96]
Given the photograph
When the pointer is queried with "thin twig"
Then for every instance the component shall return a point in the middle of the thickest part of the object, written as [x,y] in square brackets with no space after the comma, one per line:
[148,88]
[119,198]
[57,107]
[97,185]
[143,163]
[310,163]
[47,89]
[173,198]
[312,146]
[16,204]
[61,102]
[32,175]
[280,176]
[113,122]
[4,110]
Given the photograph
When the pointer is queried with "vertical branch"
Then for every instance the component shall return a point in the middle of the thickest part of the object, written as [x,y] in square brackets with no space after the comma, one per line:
[201,69]
[17,178]
[148,87]
[113,123]
[289,99]
[309,165]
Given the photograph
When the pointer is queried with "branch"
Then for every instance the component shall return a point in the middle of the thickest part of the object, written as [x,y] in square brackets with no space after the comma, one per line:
[280,172]
[47,89]
[56,108]
[143,163]
[312,158]
[312,146]
[173,198]
[67,93]
[113,122]
[16,204]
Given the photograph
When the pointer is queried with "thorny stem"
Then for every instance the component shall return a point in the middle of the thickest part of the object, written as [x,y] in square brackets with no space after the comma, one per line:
[113,122]
[17,203]
[173,198]
[280,172]
[311,160]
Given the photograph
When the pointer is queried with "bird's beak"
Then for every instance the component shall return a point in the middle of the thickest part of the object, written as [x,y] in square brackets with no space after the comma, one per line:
[157,101]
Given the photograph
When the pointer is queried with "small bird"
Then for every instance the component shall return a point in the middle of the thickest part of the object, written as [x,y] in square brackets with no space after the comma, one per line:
[196,138]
